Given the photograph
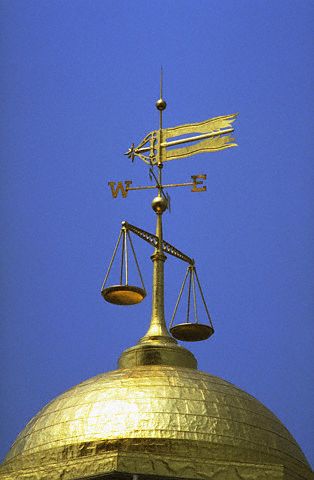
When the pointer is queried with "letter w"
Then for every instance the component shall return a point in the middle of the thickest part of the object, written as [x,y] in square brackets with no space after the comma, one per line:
[115,190]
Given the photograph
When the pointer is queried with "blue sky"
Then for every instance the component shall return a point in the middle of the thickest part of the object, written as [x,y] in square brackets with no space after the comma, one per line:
[79,82]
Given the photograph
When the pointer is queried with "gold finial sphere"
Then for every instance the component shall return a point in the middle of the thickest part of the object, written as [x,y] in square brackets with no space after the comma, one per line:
[159,204]
[161,104]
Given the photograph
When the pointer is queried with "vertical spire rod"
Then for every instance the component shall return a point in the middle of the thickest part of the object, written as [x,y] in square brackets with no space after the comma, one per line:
[161,105]
[160,110]
[157,347]
[158,330]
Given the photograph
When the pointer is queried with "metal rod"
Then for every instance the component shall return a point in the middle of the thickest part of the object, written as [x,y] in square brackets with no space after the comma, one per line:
[169,185]
[112,259]
[122,259]
[194,294]
[189,297]
[135,258]
[188,139]
[179,298]
[187,184]
[148,187]
[158,328]
[126,260]
[197,137]
[160,132]
[201,292]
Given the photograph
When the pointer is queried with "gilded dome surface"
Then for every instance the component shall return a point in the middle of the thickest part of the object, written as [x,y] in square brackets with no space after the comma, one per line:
[158,409]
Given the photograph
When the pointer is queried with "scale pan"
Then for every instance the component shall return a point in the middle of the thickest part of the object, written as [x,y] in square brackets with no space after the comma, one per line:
[123,294]
[191,332]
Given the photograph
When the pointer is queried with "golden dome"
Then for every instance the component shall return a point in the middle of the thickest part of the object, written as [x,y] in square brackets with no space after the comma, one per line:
[167,420]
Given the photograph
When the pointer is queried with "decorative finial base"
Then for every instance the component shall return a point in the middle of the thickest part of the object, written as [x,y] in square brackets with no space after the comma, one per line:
[157,354]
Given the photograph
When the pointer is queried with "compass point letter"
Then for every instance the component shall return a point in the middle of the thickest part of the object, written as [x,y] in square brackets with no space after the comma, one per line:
[115,190]
[197,181]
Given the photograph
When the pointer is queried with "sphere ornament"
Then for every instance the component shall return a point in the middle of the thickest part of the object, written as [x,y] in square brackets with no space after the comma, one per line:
[161,104]
[169,421]
[159,204]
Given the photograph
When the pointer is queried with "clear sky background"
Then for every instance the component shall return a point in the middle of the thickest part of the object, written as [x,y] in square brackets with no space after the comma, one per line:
[79,80]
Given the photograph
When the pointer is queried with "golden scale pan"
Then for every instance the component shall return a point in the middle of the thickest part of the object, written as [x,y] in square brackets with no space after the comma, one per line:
[191,331]
[123,293]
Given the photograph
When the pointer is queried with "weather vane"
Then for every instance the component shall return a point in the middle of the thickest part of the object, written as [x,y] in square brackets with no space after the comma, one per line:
[155,150]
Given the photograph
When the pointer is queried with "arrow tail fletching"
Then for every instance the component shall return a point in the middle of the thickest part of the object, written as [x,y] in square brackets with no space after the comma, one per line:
[206,126]
[209,145]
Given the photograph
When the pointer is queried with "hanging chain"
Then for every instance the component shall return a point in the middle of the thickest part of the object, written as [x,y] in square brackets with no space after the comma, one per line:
[122,256]
[191,271]
[194,294]
[111,261]
[179,297]
[189,297]
[126,258]
[201,292]
[135,258]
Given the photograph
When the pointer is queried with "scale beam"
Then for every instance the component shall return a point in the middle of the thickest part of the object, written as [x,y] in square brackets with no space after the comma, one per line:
[153,240]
